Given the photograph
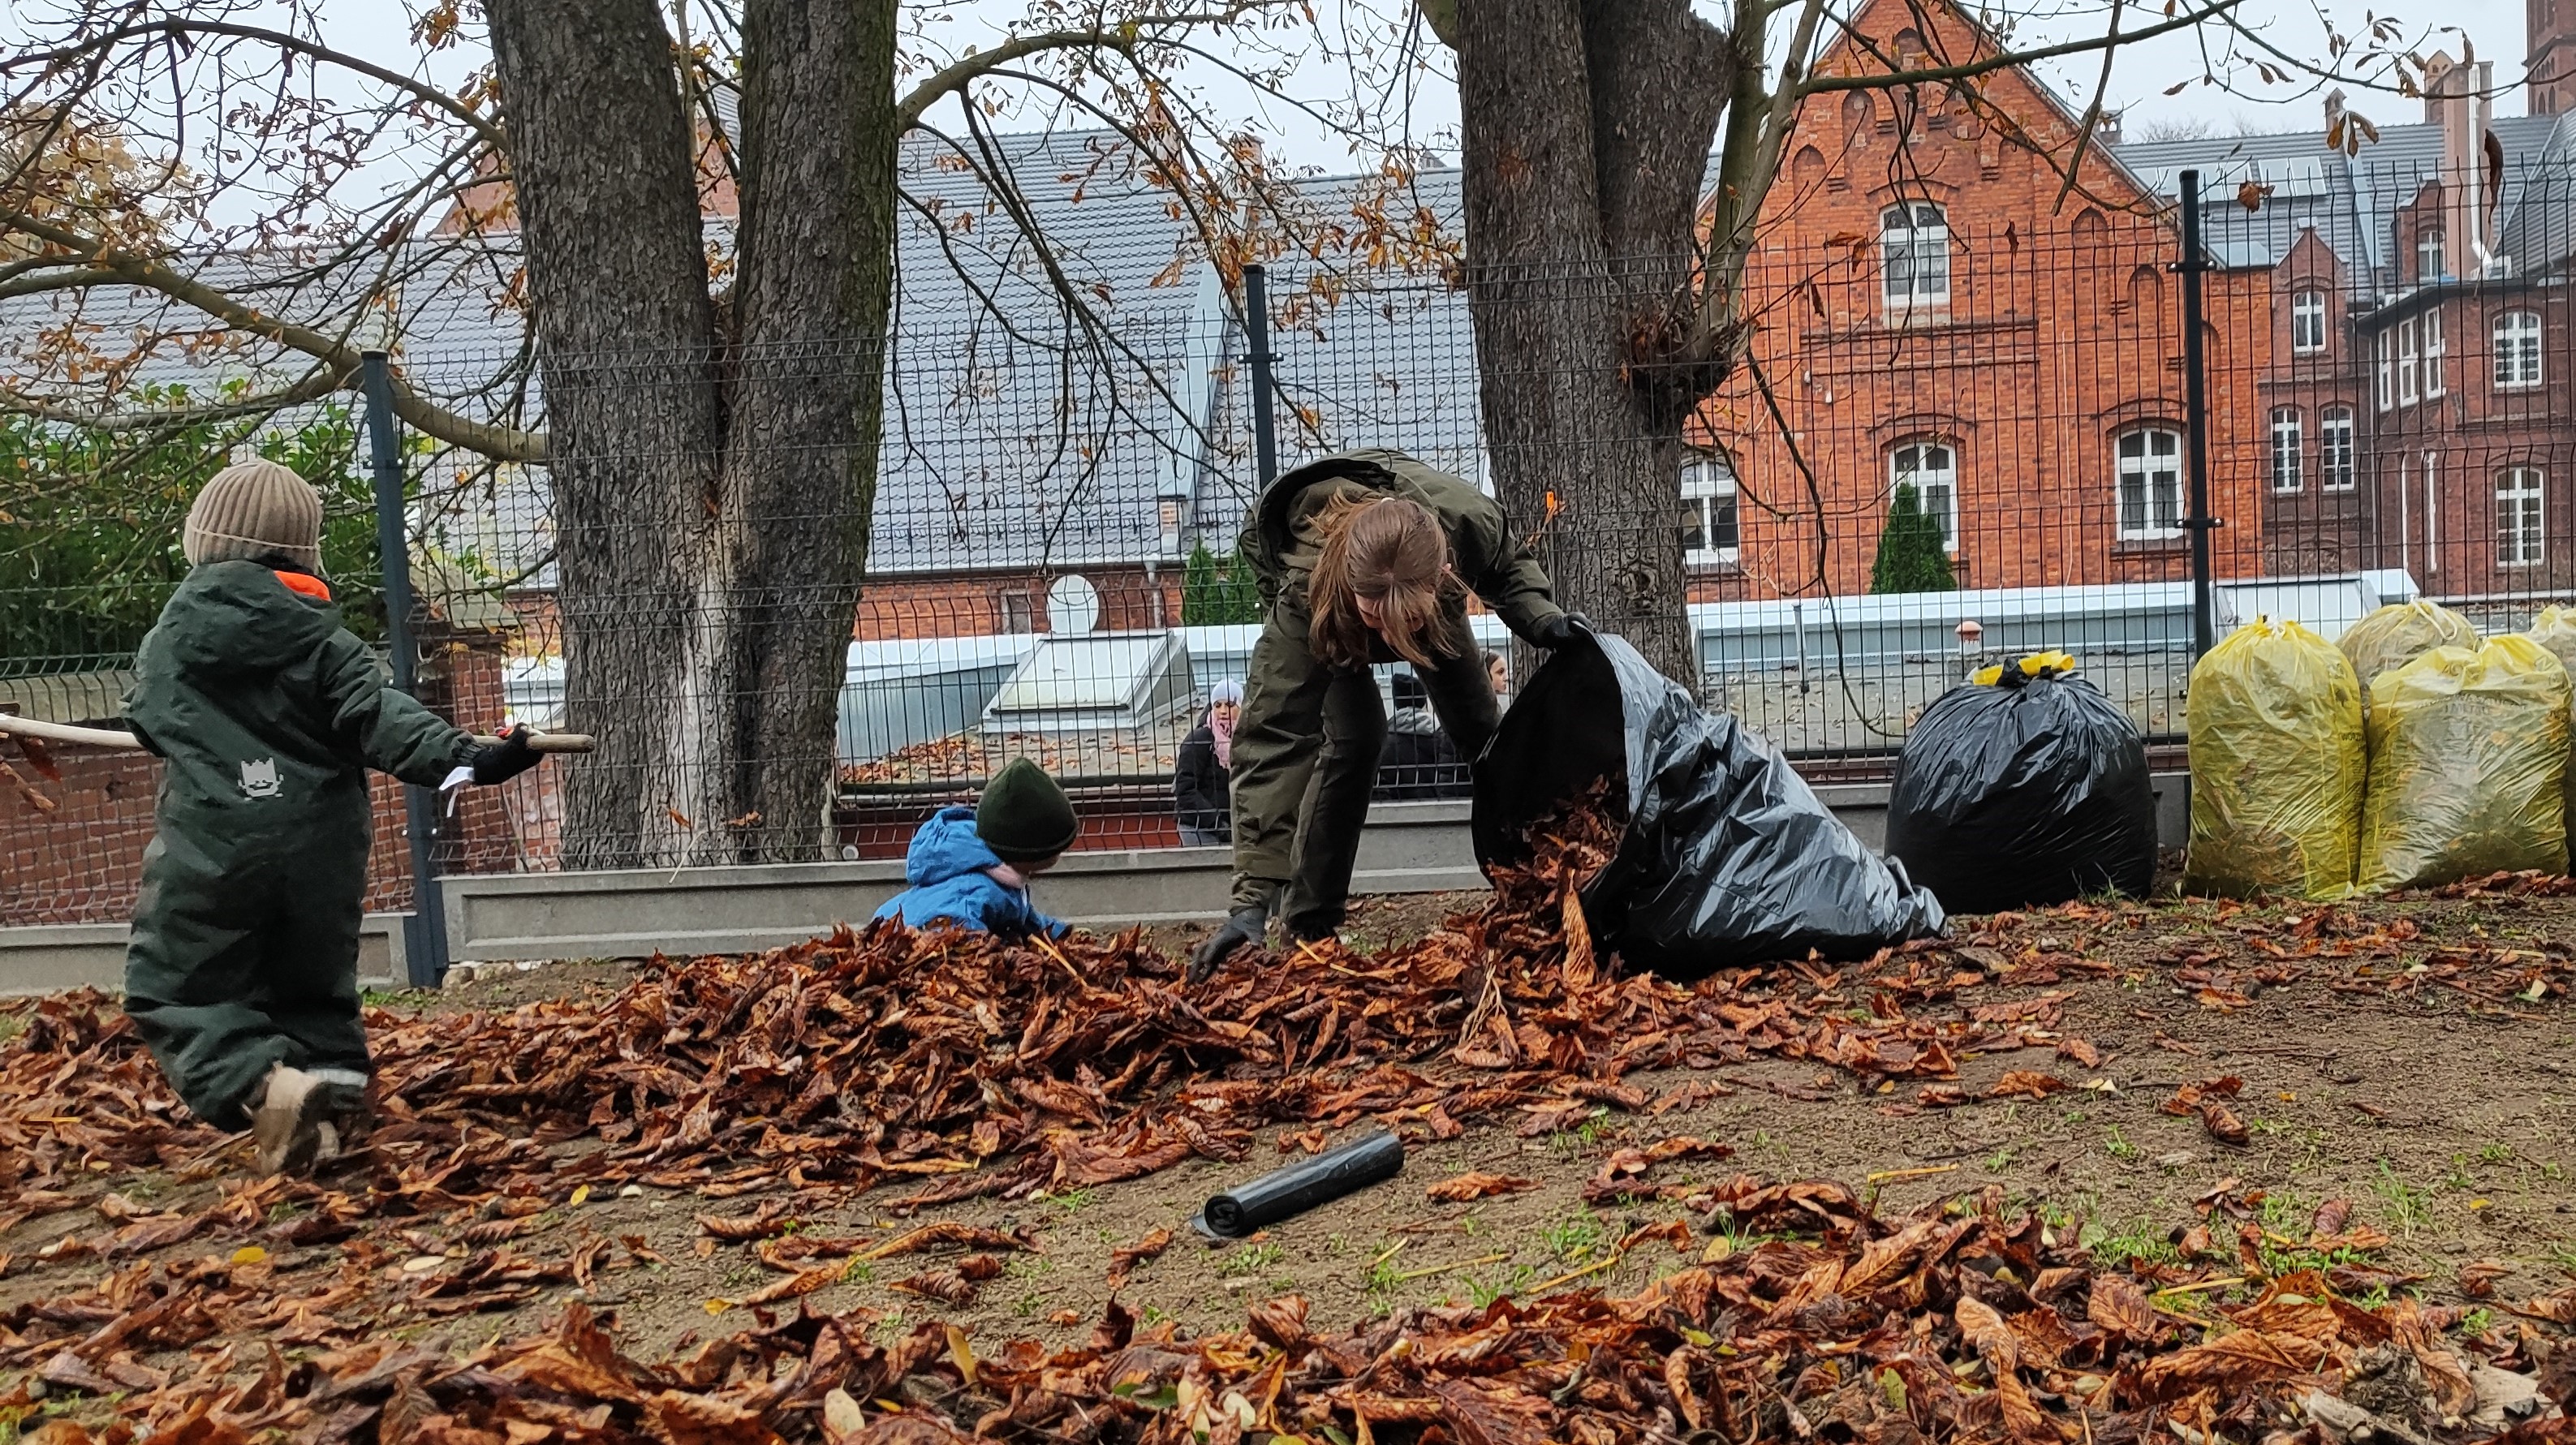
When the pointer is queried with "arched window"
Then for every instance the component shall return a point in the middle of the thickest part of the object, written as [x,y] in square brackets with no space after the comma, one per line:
[2288,448]
[2150,484]
[1710,532]
[1931,467]
[2089,224]
[1914,237]
[2334,449]
[2517,350]
[2519,516]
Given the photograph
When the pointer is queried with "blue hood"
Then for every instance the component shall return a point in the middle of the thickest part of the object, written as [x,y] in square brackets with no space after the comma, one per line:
[947,847]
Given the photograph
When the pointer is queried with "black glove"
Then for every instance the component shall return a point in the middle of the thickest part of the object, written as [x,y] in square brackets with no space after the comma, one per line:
[1557,629]
[1244,929]
[500,762]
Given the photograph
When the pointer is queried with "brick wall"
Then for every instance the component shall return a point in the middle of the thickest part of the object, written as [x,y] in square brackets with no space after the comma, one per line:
[990,604]
[2058,335]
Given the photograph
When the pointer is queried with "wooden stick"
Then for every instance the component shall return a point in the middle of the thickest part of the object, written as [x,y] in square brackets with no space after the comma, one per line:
[2202,1287]
[1572,1275]
[1890,1176]
[123,741]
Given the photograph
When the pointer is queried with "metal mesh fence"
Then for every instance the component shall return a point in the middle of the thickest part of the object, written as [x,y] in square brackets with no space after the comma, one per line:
[1954,438]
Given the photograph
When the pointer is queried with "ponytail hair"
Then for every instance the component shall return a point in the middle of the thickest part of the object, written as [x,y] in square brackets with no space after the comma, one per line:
[1391,551]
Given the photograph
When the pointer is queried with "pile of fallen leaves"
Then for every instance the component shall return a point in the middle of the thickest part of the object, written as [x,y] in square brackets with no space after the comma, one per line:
[1963,1322]
[960,1065]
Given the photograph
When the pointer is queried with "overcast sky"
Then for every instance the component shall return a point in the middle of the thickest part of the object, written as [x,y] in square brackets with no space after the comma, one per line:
[2142,73]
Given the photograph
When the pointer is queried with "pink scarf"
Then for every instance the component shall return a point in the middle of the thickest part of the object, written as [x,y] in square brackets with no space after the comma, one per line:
[1221,728]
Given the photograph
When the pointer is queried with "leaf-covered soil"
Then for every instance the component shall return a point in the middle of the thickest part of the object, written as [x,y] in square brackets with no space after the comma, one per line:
[2381,1087]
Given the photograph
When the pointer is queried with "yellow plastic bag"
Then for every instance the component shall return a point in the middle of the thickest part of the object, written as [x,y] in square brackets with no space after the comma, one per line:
[2555,629]
[2401,632]
[2468,766]
[2038,664]
[2276,765]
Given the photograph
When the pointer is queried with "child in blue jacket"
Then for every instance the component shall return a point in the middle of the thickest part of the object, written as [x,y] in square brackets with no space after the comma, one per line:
[970,867]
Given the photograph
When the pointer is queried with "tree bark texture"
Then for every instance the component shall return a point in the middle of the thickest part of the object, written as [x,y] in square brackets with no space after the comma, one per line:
[712,491]
[1587,128]
[810,308]
[617,282]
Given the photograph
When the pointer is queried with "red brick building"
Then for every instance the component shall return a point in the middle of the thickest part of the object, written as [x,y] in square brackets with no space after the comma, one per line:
[2415,398]
[1931,314]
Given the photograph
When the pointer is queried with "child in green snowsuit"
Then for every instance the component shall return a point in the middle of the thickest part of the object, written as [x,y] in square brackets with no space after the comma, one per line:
[242,972]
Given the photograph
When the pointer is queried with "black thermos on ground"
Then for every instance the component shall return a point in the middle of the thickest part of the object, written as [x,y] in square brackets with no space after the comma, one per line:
[1300,1187]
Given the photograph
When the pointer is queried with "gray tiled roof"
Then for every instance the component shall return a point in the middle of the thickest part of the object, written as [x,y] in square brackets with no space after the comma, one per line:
[1015,437]
[2351,201]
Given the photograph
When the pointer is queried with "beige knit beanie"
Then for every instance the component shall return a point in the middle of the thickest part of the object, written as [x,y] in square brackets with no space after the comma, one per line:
[254,510]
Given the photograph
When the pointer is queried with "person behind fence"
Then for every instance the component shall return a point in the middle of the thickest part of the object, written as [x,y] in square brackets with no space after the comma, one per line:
[1199,785]
[241,973]
[1499,673]
[1362,558]
[1420,759]
[970,868]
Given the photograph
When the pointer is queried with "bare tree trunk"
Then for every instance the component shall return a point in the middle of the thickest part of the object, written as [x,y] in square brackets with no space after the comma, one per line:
[600,153]
[712,497]
[818,186]
[1587,130]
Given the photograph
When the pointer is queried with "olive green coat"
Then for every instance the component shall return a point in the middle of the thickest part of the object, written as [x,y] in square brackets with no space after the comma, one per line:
[245,945]
[1307,745]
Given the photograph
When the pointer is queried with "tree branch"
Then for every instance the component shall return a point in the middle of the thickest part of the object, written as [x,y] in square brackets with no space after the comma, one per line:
[499,442]
[1122,38]
[2092,118]
[1969,70]
[314,385]
[418,89]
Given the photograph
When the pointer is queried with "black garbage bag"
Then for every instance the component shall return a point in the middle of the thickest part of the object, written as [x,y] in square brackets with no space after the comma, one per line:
[2025,790]
[1727,859]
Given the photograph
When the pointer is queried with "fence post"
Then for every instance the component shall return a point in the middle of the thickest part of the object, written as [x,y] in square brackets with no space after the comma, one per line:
[425,931]
[1256,330]
[2204,611]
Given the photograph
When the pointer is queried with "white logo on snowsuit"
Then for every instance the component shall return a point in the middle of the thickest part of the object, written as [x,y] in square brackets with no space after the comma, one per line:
[259,777]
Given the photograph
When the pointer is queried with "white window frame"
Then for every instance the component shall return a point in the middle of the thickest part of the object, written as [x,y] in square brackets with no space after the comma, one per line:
[2307,323]
[2387,374]
[2289,445]
[1910,235]
[2522,516]
[1707,481]
[2435,351]
[2410,361]
[2517,351]
[2158,472]
[2432,261]
[2334,449]
[1935,487]
[2432,511]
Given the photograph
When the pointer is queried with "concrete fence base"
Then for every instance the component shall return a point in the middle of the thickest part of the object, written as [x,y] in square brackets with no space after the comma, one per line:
[1409,848]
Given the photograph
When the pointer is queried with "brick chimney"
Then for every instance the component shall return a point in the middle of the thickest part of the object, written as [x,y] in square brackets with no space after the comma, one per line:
[2550,28]
[2456,98]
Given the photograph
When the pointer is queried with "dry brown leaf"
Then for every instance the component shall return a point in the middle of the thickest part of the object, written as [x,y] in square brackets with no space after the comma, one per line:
[2223,1125]
[1473,1185]
[1124,1259]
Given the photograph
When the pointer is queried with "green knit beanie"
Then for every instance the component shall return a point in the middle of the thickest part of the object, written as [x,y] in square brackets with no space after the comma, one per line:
[252,511]
[1023,816]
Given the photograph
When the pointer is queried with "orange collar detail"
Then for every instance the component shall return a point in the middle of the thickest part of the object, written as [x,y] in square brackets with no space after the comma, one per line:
[304,586]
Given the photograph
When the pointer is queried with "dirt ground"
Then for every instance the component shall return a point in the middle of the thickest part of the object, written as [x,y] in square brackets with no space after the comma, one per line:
[2379,1077]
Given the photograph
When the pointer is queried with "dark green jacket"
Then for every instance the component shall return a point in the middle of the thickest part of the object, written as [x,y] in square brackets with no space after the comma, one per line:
[269,711]
[1488,558]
